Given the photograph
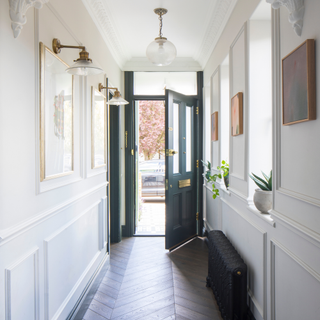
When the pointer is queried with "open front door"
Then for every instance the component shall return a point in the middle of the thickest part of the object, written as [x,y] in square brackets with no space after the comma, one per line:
[181,184]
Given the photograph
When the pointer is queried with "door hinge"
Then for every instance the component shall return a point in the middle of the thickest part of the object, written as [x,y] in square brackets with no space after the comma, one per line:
[197,163]
[197,110]
[167,184]
[126,139]
[132,152]
[197,216]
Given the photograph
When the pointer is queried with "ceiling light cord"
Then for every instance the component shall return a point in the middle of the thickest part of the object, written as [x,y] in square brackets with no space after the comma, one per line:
[160,25]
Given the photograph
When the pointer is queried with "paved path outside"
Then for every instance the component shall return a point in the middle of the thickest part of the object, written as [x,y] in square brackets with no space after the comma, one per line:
[152,218]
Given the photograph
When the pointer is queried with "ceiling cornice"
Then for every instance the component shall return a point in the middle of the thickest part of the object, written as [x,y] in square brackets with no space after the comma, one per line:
[216,25]
[99,13]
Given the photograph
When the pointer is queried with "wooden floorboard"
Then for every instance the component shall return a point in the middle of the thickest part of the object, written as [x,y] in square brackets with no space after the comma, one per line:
[146,282]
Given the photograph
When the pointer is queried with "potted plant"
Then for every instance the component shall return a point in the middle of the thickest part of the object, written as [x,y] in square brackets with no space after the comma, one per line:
[223,172]
[262,197]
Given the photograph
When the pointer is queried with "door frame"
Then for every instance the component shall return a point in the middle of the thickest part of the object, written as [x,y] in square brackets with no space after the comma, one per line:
[128,228]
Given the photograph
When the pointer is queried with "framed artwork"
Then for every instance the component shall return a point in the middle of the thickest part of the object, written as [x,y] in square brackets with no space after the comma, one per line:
[298,84]
[237,114]
[56,116]
[214,126]
[98,129]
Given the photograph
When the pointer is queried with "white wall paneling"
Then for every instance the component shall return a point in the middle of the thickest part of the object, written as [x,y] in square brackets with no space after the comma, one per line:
[22,288]
[11,233]
[102,222]
[76,244]
[292,280]
[249,236]
[260,99]
[215,106]
[296,197]
[281,250]
[238,83]
[224,129]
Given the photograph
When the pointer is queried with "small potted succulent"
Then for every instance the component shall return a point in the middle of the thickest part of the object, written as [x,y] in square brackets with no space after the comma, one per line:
[262,197]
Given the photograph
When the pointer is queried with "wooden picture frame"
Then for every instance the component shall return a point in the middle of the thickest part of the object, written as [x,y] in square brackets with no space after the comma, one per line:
[237,114]
[214,126]
[56,116]
[98,129]
[299,84]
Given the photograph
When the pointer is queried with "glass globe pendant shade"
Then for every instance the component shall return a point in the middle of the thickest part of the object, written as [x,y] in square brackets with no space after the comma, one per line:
[84,68]
[161,52]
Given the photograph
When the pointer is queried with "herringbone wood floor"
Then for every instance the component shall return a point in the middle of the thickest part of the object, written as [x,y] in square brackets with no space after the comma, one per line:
[147,282]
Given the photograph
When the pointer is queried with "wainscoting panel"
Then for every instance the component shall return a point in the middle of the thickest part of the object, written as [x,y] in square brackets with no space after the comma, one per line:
[292,280]
[69,254]
[22,288]
[213,210]
[250,240]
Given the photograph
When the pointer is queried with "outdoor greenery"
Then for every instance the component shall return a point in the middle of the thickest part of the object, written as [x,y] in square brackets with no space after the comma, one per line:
[151,128]
[264,184]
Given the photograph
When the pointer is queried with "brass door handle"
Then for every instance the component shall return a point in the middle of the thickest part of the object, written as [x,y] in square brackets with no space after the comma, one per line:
[170,152]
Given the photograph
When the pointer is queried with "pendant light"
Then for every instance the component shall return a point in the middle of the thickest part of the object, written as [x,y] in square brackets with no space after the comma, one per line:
[83,66]
[161,52]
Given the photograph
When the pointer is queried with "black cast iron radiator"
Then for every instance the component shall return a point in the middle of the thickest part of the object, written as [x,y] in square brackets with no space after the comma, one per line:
[227,276]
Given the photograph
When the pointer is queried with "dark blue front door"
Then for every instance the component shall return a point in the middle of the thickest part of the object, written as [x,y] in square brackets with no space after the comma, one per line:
[181,184]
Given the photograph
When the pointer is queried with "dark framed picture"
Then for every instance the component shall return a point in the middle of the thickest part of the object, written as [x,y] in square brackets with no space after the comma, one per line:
[237,114]
[299,84]
[214,126]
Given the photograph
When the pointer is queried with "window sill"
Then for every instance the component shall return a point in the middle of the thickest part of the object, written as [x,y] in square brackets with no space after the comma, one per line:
[264,216]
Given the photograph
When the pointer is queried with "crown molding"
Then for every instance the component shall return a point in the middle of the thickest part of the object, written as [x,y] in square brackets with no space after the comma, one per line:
[99,13]
[296,12]
[18,10]
[218,21]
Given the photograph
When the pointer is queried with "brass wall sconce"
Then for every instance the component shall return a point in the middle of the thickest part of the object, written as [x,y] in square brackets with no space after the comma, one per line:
[117,99]
[83,66]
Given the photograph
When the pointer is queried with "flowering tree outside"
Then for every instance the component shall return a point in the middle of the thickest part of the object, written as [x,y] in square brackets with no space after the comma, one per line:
[151,128]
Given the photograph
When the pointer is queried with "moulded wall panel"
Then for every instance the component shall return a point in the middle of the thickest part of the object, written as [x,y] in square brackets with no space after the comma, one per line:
[215,154]
[22,288]
[293,281]
[215,106]
[298,197]
[213,210]
[68,253]
[238,84]
[249,239]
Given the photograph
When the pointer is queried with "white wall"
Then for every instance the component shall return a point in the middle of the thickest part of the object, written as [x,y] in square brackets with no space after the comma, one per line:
[52,234]
[281,249]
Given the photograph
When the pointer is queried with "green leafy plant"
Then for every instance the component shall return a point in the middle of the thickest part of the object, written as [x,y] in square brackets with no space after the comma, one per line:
[223,172]
[224,168]
[208,171]
[264,184]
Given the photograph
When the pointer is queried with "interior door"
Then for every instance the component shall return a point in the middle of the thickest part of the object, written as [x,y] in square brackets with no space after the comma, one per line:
[181,184]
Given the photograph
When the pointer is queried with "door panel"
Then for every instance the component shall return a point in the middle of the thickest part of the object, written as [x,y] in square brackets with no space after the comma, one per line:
[180,169]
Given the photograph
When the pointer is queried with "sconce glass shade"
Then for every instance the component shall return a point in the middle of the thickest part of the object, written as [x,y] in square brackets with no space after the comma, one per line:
[84,68]
[161,52]
[117,101]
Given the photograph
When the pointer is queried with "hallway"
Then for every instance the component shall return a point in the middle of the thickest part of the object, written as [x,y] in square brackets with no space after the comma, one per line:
[145,281]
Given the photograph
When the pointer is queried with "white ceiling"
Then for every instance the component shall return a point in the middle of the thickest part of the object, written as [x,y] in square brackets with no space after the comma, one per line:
[128,27]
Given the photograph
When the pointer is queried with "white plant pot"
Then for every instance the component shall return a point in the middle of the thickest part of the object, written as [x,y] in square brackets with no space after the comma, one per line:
[263,200]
